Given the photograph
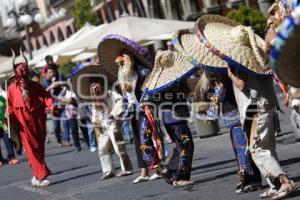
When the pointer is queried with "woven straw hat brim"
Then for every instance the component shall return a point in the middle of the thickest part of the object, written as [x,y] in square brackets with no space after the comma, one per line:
[225,35]
[189,44]
[112,46]
[285,54]
[166,76]
[81,81]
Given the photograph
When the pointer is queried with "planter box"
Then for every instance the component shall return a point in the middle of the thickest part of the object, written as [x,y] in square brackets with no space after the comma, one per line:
[207,129]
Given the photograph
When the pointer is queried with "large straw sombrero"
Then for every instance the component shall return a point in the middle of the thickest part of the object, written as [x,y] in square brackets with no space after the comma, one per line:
[82,76]
[169,68]
[113,45]
[238,45]
[189,45]
[285,53]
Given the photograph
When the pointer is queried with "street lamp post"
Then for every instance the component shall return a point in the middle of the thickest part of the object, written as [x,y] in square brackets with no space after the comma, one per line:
[24,16]
[28,41]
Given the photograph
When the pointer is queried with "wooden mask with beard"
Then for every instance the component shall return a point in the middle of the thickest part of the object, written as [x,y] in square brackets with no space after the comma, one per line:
[126,72]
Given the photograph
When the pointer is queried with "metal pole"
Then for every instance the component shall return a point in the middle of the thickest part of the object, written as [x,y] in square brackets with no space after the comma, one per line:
[28,41]
[7,119]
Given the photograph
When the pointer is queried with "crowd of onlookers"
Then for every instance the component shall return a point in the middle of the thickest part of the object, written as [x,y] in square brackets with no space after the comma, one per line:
[64,123]
[68,124]
[68,118]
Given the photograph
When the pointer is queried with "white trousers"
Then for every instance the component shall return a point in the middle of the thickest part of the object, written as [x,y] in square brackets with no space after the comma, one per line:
[111,138]
[263,144]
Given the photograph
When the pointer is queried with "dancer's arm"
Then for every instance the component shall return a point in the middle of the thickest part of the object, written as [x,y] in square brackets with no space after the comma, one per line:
[237,79]
[117,109]
[48,100]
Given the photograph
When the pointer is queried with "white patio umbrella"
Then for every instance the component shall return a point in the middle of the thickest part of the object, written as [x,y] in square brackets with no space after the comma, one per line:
[84,56]
[138,28]
[164,36]
[39,55]
[88,41]
[59,47]
[135,28]
[88,37]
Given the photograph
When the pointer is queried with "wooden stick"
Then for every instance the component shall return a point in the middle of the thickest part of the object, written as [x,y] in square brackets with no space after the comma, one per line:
[8,122]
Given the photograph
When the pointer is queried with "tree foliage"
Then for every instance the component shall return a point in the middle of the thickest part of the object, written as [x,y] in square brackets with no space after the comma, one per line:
[83,13]
[66,68]
[249,17]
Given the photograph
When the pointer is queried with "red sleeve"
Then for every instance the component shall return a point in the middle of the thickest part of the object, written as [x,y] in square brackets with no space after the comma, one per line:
[48,102]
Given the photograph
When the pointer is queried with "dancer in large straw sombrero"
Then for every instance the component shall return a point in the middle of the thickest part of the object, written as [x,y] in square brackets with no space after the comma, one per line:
[28,104]
[129,63]
[278,12]
[285,50]
[93,85]
[243,50]
[284,58]
[166,88]
[214,81]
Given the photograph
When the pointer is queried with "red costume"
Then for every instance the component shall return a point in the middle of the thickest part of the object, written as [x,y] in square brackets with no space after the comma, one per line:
[28,103]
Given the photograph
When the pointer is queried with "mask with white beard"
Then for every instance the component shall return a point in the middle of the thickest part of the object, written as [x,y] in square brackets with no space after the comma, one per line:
[203,86]
[125,73]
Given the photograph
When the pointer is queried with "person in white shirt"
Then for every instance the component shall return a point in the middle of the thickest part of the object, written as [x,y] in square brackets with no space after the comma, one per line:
[105,118]
[67,99]
[295,115]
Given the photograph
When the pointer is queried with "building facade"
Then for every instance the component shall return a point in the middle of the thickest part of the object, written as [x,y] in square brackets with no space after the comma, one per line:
[59,22]
[57,26]
[109,10]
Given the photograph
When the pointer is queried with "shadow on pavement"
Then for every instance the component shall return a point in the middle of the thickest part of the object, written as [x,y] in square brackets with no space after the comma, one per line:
[297,193]
[284,134]
[213,164]
[290,161]
[68,170]
[152,196]
[296,179]
[76,177]
[59,153]
[200,158]
[216,169]
[197,182]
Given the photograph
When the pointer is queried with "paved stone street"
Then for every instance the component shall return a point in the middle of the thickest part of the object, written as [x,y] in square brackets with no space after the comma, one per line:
[77,175]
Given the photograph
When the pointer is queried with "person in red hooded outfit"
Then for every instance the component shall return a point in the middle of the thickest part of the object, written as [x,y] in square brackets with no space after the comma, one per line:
[28,103]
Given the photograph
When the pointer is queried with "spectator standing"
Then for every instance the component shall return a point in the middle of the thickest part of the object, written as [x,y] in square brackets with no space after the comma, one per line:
[69,121]
[4,135]
[52,84]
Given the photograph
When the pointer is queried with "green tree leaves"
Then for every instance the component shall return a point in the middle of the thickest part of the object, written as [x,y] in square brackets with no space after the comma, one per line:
[83,13]
[249,17]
